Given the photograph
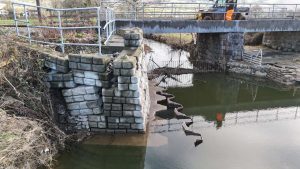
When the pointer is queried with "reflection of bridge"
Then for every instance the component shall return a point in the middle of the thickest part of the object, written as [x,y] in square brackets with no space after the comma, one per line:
[231,119]
[180,18]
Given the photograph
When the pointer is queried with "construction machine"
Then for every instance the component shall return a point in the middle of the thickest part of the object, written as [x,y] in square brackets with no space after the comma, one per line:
[223,10]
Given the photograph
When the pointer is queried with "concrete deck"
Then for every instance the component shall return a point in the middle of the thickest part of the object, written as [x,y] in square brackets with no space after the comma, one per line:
[220,26]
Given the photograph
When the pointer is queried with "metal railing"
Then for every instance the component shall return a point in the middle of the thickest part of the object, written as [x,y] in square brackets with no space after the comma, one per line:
[59,21]
[173,11]
[254,59]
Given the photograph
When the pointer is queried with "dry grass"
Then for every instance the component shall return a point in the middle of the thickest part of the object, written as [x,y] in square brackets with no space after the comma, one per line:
[26,122]
[23,143]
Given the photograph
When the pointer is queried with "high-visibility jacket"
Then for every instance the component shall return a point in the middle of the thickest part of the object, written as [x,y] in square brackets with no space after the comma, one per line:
[229,15]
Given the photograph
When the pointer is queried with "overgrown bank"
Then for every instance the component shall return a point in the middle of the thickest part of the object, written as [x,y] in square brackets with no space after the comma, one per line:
[29,138]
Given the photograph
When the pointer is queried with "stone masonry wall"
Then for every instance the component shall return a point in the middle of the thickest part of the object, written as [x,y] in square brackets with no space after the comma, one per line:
[219,47]
[284,41]
[103,93]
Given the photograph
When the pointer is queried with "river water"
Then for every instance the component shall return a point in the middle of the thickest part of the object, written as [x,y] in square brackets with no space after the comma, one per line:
[259,129]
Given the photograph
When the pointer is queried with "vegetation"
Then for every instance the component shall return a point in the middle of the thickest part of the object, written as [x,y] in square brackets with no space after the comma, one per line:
[29,138]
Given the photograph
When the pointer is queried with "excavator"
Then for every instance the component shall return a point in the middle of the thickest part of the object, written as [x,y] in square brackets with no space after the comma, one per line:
[223,10]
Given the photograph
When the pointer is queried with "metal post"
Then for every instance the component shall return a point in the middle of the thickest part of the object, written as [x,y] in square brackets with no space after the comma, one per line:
[273,11]
[172,10]
[106,12]
[61,33]
[143,11]
[250,8]
[295,11]
[99,30]
[27,24]
[15,18]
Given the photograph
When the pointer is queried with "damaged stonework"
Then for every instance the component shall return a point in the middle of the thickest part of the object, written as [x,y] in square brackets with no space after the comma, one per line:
[281,75]
[103,93]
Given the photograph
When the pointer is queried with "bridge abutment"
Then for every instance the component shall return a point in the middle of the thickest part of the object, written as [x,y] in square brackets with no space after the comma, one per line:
[218,48]
[107,93]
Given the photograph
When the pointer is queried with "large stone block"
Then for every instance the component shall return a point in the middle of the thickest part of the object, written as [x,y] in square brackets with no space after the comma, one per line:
[123,87]
[97,111]
[86,58]
[78,80]
[86,112]
[99,68]
[133,87]
[100,60]
[129,107]
[137,126]
[91,75]
[70,84]
[79,91]
[108,92]
[73,106]
[113,120]
[96,118]
[133,100]
[119,100]
[91,89]
[133,94]
[78,73]
[127,72]
[116,106]
[84,66]
[74,58]
[78,98]
[116,113]
[90,82]
[93,104]
[124,79]
[90,97]
[126,120]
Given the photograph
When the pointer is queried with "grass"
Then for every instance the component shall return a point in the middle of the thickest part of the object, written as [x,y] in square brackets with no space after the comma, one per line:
[6,138]
[7,22]
[184,37]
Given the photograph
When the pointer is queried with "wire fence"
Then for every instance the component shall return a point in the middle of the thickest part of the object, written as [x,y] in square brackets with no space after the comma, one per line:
[65,27]
[183,67]
[254,59]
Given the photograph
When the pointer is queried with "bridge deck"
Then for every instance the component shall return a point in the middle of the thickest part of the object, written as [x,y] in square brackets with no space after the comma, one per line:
[193,26]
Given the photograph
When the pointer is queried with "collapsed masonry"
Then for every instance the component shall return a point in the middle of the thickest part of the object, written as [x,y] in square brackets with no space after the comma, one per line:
[103,93]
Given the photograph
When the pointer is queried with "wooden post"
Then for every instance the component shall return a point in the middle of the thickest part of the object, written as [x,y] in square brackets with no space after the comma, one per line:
[38,3]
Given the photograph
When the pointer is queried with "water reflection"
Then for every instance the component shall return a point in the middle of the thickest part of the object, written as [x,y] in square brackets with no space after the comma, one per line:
[219,98]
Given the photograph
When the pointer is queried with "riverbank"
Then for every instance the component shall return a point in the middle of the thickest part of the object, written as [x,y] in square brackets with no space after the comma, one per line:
[29,136]
[176,41]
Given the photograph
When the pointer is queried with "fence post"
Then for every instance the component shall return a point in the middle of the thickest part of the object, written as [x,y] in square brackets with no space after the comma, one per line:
[15,18]
[295,11]
[273,11]
[143,11]
[61,33]
[27,24]
[99,30]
